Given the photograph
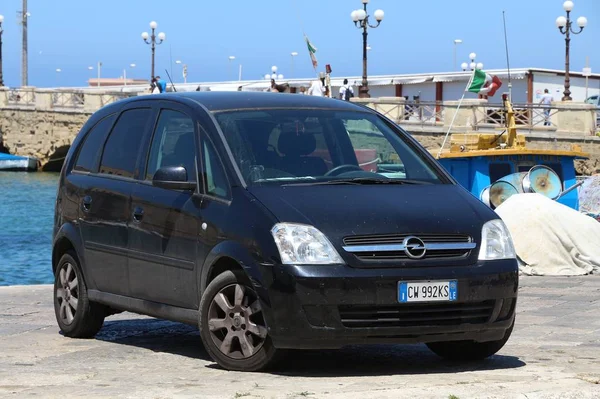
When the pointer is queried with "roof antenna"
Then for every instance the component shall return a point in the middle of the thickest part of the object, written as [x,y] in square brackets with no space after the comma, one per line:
[507,61]
[170,80]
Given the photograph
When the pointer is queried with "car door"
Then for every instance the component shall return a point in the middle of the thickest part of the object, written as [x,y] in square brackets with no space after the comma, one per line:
[106,201]
[163,232]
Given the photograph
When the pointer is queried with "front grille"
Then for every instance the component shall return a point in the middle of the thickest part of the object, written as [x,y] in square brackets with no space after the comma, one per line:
[417,315]
[397,239]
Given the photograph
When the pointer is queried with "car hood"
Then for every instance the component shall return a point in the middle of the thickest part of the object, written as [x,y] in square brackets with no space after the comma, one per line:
[347,210]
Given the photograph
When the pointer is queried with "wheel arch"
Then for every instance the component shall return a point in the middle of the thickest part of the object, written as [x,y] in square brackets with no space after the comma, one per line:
[227,255]
[67,238]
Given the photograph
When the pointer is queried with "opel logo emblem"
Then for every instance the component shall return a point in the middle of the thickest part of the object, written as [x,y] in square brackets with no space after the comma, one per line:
[414,247]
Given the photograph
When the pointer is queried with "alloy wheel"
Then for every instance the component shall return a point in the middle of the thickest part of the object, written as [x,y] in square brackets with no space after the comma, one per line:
[67,293]
[236,322]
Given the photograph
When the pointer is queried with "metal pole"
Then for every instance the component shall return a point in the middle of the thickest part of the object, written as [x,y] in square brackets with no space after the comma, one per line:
[455,55]
[567,92]
[1,78]
[99,68]
[153,46]
[24,78]
[124,77]
[364,88]
[240,74]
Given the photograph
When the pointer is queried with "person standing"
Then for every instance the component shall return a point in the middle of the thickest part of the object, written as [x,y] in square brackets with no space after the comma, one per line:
[346,91]
[316,89]
[546,101]
[162,85]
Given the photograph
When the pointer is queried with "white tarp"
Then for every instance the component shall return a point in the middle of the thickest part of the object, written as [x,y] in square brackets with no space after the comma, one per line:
[551,238]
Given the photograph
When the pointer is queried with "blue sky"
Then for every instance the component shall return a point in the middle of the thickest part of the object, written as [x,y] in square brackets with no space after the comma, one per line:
[415,36]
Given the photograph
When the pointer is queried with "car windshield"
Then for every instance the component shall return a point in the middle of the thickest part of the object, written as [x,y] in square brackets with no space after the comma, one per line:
[316,146]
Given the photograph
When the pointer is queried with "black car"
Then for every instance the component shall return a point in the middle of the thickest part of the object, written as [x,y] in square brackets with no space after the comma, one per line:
[275,221]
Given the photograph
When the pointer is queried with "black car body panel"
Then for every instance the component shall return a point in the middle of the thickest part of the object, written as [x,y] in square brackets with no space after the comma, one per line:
[154,250]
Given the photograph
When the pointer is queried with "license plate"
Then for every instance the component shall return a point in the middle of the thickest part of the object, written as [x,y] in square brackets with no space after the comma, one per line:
[429,291]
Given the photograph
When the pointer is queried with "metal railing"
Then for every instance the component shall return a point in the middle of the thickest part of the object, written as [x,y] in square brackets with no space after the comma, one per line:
[20,97]
[423,113]
[527,116]
[108,98]
[68,99]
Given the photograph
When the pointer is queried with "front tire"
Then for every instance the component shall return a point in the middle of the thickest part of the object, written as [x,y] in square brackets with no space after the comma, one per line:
[77,317]
[469,350]
[232,326]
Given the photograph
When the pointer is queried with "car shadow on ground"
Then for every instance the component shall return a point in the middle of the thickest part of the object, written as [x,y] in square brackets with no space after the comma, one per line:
[156,335]
[370,360]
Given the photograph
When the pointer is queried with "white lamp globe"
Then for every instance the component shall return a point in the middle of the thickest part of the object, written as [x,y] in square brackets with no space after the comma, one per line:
[361,14]
[274,76]
[464,66]
[472,56]
[568,5]
[561,22]
[582,22]
[480,65]
[280,77]
[153,25]
[354,15]
[473,65]
[379,14]
[145,35]
[162,36]
[267,76]
[1,18]
[274,69]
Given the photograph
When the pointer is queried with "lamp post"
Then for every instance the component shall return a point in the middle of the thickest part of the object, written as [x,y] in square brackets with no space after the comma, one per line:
[361,21]
[565,27]
[1,78]
[183,70]
[231,58]
[456,43]
[294,53]
[154,40]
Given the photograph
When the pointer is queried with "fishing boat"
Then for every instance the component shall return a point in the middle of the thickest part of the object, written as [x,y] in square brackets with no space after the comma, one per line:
[10,162]
[495,166]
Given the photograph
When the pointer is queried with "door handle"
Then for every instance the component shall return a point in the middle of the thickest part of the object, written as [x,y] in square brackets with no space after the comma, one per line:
[86,203]
[138,214]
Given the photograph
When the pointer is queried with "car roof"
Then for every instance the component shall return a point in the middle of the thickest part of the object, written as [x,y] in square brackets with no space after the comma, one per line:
[227,101]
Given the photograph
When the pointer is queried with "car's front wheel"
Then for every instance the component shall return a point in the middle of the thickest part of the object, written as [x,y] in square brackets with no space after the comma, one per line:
[77,317]
[232,326]
[469,350]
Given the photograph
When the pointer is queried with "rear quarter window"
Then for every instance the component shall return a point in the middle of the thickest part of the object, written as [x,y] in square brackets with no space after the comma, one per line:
[92,145]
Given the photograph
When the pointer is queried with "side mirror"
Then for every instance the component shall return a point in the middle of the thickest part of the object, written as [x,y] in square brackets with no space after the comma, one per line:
[173,178]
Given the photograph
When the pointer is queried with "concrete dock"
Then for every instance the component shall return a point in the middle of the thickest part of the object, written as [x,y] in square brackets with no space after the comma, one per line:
[554,352]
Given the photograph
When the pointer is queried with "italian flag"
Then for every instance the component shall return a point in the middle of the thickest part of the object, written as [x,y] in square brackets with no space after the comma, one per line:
[483,83]
[311,50]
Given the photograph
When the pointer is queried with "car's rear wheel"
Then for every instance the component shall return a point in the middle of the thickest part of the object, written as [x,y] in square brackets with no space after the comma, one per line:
[469,350]
[77,317]
[232,326]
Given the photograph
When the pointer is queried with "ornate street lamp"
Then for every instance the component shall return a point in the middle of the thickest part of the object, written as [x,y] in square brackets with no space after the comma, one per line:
[153,41]
[565,27]
[1,79]
[361,21]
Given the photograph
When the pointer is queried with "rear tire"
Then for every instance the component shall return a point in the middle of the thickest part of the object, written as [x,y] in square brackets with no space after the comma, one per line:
[76,315]
[232,326]
[469,350]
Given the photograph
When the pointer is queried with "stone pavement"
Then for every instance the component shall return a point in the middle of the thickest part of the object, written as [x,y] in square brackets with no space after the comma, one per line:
[554,353]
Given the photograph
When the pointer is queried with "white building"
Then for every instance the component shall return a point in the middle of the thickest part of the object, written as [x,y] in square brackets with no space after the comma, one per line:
[528,85]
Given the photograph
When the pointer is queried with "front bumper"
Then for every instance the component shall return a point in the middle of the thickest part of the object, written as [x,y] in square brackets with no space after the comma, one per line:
[312,307]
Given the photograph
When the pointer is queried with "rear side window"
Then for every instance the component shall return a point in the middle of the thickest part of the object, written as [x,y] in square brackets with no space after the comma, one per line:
[92,145]
[123,144]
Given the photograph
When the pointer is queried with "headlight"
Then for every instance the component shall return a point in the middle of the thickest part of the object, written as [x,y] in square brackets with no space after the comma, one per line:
[496,242]
[304,245]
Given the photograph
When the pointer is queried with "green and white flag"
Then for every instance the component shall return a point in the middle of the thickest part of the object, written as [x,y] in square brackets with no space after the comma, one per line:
[483,83]
[311,50]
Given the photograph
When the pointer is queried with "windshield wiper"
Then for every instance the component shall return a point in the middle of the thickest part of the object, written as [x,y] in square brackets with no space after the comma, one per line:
[359,181]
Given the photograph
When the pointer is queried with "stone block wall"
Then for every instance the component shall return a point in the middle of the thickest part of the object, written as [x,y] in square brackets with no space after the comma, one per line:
[39,133]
